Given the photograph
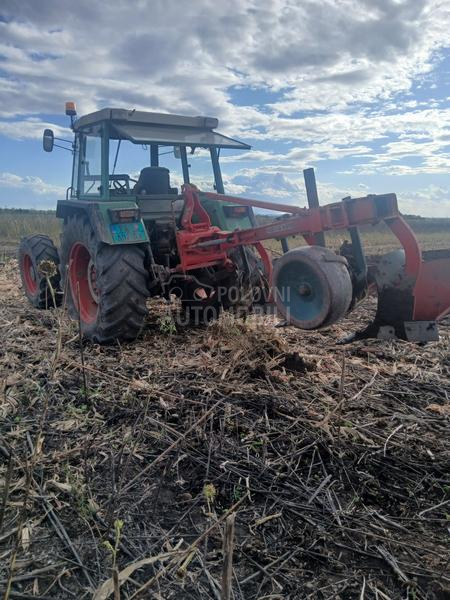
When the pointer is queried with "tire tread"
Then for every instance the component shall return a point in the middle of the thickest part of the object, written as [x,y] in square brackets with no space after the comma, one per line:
[40,247]
[122,281]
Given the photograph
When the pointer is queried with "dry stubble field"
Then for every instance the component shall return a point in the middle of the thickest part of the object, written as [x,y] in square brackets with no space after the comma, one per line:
[334,460]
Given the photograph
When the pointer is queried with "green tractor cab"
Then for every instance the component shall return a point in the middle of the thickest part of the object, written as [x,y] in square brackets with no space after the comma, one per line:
[102,141]
[120,217]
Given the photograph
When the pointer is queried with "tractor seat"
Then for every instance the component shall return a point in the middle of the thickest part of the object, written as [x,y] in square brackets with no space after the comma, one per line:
[154,181]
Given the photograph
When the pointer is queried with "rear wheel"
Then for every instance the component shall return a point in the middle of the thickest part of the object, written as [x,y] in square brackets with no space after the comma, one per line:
[107,286]
[39,271]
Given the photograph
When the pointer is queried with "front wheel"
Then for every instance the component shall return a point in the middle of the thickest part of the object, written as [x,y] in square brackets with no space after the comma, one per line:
[39,271]
[107,286]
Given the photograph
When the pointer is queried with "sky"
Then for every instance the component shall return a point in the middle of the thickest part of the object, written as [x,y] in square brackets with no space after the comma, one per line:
[357,89]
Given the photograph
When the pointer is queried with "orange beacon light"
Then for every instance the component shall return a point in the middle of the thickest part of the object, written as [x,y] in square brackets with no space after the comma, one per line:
[71,110]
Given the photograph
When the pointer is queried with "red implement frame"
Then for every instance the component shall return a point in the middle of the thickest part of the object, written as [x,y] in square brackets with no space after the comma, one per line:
[202,245]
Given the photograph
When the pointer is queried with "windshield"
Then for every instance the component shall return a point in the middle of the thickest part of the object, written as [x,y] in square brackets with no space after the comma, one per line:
[127,160]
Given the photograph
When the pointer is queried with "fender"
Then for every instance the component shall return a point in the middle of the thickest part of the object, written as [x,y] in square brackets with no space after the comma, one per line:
[100,215]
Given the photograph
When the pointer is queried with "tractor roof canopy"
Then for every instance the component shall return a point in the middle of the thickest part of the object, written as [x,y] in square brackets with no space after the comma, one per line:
[142,127]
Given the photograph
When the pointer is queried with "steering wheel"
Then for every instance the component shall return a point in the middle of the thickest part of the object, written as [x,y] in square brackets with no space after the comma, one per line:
[121,188]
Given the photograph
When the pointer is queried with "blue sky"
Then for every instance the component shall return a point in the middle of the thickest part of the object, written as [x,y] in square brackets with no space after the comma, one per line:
[358,89]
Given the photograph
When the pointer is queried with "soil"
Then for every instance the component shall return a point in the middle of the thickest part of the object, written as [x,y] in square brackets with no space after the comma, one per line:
[335,460]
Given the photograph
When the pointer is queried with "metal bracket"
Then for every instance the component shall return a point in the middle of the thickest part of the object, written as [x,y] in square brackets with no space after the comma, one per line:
[421,331]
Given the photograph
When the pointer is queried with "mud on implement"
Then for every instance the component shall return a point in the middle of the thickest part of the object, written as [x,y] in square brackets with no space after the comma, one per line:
[127,238]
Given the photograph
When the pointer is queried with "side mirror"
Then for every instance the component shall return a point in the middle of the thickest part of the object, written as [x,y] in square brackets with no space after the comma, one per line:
[48,140]
[177,152]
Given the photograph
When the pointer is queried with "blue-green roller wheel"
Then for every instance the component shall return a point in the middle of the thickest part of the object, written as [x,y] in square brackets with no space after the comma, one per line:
[312,287]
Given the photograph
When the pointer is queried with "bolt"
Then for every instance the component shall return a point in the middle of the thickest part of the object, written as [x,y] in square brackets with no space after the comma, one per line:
[304,289]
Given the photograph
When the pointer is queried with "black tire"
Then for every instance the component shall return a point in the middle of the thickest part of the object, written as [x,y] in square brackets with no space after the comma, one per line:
[113,308]
[39,271]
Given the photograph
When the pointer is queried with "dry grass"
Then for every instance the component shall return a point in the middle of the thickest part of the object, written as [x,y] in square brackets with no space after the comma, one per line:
[334,461]
[16,224]
[432,233]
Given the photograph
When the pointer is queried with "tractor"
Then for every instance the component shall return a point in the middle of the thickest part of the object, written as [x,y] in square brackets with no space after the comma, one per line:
[135,226]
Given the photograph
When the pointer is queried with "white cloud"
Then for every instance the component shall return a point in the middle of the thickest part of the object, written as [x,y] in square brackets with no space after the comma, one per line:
[341,72]
[423,133]
[322,55]
[33,184]
[297,156]
[288,188]
[430,201]
[265,183]
[31,129]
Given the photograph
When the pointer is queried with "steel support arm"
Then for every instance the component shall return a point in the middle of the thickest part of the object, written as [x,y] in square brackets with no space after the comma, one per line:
[340,215]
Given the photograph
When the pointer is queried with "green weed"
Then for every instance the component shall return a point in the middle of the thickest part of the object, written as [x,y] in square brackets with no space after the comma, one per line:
[167,325]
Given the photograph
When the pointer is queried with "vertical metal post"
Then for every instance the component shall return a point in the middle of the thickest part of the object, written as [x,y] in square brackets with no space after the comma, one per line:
[284,245]
[104,191]
[313,200]
[358,256]
[77,163]
[217,174]
[154,155]
[184,164]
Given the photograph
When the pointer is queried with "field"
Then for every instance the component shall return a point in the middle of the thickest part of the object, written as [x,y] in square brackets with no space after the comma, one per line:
[268,461]
[16,223]
[432,233]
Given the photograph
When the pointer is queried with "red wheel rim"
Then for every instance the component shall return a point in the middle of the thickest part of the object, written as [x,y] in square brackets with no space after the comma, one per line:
[82,279]
[29,274]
